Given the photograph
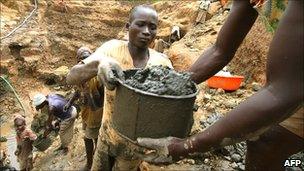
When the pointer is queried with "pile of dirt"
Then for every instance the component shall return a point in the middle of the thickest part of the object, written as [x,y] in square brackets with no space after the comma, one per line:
[162,81]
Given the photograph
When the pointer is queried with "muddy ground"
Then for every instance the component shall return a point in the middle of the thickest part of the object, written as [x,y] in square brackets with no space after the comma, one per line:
[37,57]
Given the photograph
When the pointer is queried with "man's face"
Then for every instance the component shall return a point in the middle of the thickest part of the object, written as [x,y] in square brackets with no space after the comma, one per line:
[41,106]
[143,27]
[19,125]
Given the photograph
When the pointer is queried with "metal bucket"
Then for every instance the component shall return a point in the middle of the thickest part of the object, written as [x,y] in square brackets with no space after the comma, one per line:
[42,143]
[143,114]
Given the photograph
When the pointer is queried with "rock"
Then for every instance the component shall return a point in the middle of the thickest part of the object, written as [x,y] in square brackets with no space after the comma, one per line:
[239,93]
[236,157]
[241,166]
[256,86]
[206,97]
[214,7]
[230,104]
[191,161]
[220,91]
[225,165]
[234,165]
[57,88]
[227,158]
[212,91]
[206,161]
[210,107]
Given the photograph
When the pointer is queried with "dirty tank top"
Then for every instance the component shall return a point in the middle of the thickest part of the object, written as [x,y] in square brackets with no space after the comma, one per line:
[271,11]
[58,102]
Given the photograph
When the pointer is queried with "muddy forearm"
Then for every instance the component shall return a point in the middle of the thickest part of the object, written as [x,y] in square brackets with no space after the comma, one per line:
[75,96]
[80,73]
[248,120]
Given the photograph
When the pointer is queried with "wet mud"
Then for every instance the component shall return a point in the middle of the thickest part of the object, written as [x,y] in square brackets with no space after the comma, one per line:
[162,81]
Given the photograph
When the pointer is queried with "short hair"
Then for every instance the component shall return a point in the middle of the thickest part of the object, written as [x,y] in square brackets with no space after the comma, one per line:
[134,9]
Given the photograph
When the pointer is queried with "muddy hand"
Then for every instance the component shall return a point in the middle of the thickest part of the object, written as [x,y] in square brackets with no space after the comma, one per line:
[161,153]
[108,72]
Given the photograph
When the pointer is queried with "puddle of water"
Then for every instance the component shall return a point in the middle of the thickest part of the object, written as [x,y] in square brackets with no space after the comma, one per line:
[10,145]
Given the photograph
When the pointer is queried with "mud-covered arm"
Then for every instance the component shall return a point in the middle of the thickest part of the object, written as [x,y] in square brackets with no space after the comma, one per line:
[231,35]
[107,69]
[277,100]
[75,96]
[84,71]
[48,124]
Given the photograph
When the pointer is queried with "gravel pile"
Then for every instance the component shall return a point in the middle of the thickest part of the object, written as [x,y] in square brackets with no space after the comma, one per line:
[162,81]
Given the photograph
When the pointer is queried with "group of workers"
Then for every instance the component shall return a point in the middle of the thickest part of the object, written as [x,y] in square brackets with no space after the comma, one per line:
[270,121]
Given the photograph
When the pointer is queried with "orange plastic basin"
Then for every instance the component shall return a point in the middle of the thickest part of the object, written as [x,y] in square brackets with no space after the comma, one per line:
[227,83]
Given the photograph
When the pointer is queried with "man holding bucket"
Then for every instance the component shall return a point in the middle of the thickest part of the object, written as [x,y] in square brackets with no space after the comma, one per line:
[272,119]
[115,151]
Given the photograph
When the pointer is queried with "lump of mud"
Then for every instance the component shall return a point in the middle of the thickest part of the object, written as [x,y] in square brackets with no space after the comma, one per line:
[162,80]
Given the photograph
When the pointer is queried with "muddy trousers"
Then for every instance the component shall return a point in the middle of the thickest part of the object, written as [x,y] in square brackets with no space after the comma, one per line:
[26,163]
[66,129]
[104,161]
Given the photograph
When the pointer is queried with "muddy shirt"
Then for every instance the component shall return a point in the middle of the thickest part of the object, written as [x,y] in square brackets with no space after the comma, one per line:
[24,139]
[118,50]
[91,110]
[58,102]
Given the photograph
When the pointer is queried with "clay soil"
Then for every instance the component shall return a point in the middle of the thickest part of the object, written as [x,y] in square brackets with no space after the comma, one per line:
[37,57]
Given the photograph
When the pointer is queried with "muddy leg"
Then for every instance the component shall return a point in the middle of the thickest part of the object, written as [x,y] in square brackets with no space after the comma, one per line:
[95,143]
[102,161]
[271,150]
[89,147]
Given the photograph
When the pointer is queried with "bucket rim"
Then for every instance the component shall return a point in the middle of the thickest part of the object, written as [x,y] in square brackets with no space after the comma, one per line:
[121,82]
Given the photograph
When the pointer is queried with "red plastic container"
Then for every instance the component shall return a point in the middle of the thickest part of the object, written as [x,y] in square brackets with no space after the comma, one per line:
[230,83]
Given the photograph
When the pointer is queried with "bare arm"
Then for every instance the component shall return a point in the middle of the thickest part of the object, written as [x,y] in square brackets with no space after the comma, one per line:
[107,69]
[276,101]
[75,96]
[48,124]
[231,35]
[83,72]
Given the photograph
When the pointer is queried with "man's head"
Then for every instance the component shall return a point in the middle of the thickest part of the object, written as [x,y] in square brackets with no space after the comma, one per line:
[39,101]
[142,26]
[82,53]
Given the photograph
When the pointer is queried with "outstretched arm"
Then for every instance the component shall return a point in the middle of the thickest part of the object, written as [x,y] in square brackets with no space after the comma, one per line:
[75,96]
[276,101]
[231,35]
[84,71]
[98,64]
